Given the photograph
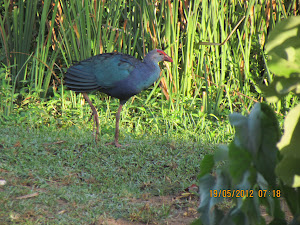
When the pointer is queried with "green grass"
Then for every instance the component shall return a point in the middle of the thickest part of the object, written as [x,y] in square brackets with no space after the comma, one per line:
[78,181]
[47,147]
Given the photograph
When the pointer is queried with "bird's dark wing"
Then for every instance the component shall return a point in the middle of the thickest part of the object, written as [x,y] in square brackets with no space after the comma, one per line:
[100,72]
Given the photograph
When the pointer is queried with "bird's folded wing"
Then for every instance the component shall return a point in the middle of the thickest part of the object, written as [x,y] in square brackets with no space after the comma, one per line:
[100,72]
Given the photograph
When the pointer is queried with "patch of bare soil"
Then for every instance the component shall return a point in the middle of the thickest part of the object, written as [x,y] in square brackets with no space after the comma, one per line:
[183,211]
[284,208]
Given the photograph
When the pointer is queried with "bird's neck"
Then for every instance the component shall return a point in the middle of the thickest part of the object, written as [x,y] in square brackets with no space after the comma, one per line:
[151,69]
[147,73]
[151,65]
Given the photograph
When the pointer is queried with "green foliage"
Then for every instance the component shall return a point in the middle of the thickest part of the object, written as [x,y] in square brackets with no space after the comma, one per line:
[241,159]
[6,93]
[207,165]
[17,26]
[248,172]
[26,41]
[288,169]
[283,48]
[253,161]
[39,40]
[284,62]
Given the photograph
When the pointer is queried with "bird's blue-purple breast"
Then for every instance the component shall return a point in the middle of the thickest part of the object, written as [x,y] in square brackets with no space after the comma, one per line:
[145,75]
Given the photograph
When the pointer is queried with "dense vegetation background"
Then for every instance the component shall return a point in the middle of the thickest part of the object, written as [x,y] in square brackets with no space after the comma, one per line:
[40,40]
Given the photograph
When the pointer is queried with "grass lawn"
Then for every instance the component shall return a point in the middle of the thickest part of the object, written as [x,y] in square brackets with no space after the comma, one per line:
[61,176]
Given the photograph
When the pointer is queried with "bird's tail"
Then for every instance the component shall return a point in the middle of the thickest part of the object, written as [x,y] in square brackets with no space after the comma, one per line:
[80,78]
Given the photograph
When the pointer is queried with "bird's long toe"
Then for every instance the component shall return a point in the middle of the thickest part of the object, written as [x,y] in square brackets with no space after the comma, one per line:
[116,144]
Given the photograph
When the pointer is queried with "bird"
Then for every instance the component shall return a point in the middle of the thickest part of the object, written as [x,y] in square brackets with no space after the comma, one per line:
[117,75]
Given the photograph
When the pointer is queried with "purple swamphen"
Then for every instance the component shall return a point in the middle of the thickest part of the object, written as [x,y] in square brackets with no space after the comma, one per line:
[117,75]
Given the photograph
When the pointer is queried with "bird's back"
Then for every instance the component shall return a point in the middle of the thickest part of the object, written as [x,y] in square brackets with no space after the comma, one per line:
[102,71]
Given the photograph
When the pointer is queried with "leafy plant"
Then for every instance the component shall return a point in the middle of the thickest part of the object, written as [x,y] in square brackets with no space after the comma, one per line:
[248,174]
[256,158]
[6,92]
[23,34]
[284,52]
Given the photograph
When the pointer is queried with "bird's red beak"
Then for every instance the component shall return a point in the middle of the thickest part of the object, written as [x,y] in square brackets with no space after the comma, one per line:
[167,58]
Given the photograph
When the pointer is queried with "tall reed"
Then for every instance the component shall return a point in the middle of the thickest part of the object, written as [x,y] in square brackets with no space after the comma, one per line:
[214,78]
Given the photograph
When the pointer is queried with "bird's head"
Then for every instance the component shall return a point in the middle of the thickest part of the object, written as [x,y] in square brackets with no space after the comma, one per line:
[158,55]
[163,56]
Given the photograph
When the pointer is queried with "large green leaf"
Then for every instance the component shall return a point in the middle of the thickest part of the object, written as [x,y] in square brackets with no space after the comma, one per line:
[249,165]
[288,169]
[257,134]
[265,161]
[210,214]
[281,86]
[248,130]
[206,165]
[207,183]
[283,47]
[240,162]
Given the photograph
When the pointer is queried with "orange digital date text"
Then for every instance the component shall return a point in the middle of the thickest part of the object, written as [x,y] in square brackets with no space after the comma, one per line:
[244,193]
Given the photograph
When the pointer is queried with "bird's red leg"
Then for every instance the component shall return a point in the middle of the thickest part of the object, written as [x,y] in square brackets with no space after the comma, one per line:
[116,141]
[117,126]
[95,114]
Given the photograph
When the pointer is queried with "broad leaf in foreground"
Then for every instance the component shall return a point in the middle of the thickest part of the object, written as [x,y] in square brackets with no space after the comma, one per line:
[288,170]
[283,48]
[248,166]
